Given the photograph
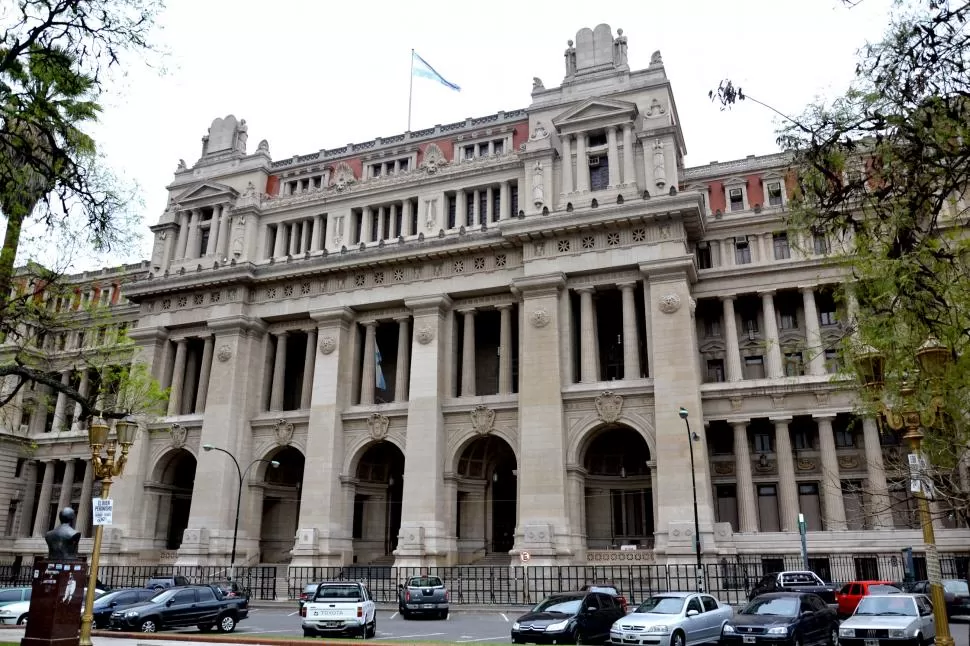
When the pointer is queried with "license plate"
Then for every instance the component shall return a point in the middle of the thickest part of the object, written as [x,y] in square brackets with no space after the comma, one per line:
[750,639]
[428,605]
[872,642]
[333,624]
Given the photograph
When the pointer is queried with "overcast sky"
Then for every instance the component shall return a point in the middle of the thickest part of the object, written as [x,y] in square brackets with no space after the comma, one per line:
[309,74]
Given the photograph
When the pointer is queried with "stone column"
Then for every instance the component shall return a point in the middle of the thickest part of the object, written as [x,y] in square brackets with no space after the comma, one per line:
[366,224]
[368,373]
[613,155]
[731,348]
[42,519]
[654,489]
[319,233]
[582,164]
[544,528]
[192,247]
[567,164]
[406,218]
[832,503]
[629,167]
[425,538]
[212,245]
[588,369]
[84,505]
[878,489]
[25,528]
[476,208]
[222,243]
[468,354]
[305,236]
[813,333]
[204,372]
[505,201]
[403,358]
[773,357]
[490,205]
[747,514]
[168,248]
[648,324]
[294,238]
[279,245]
[461,206]
[178,378]
[505,349]
[60,408]
[309,358]
[381,214]
[279,372]
[787,489]
[67,485]
[82,388]
[631,341]
[183,235]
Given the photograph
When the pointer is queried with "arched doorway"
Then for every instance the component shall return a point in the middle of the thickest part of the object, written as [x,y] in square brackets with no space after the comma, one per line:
[619,490]
[377,503]
[487,496]
[281,505]
[175,480]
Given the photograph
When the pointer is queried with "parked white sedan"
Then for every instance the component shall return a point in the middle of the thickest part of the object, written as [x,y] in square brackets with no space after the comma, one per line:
[883,619]
[674,619]
[14,614]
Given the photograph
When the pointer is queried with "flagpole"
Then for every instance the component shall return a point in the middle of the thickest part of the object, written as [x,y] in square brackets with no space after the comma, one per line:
[410,89]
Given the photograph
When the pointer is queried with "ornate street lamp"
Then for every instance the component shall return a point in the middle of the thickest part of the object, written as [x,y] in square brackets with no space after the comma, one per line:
[933,359]
[107,463]
[691,438]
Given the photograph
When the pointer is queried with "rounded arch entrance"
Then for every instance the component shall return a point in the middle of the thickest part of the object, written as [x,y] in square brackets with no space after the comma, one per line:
[173,481]
[377,502]
[282,488]
[487,508]
[619,489]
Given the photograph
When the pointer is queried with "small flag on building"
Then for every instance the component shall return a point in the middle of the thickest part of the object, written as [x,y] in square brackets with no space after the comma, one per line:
[421,68]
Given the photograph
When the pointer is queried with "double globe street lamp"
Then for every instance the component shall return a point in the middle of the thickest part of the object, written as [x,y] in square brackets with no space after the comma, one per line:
[108,463]
[933,359]
[242,478]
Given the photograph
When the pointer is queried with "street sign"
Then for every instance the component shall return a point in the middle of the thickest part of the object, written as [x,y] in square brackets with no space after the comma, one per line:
[102,509]
[525,557]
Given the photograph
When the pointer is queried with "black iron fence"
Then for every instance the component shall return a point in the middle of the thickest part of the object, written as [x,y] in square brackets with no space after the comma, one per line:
[728,578]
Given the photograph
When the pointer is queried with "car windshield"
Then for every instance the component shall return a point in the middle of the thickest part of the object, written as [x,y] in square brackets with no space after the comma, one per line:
[163,596]
[773,606]
[954,586]
[606,589]
[883,589]
[560,605]
[894,606]
[339,592]
[425,582]
[662,605]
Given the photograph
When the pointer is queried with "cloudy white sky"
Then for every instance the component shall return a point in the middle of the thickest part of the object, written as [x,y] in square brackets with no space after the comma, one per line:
[309,74]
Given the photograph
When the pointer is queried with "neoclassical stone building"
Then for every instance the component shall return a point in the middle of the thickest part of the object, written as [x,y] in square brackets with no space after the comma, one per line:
[473,340]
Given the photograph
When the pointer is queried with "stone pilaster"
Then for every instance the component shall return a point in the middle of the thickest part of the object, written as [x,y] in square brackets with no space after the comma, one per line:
[425,539]
[629,156]
[544,529]
[747,514]
[566,163]
[832,503]
[309,362]
[787,488]
[324,534]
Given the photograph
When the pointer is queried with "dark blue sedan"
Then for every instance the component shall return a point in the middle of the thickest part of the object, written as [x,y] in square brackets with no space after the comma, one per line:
[783,619]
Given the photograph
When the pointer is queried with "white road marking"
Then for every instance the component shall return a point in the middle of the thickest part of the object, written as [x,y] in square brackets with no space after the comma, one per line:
[504,617]
[422,635]
[394,615]
[266,632]
[481,639]
[293,613]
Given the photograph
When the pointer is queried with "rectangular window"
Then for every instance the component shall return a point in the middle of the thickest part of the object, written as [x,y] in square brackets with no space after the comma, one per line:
[793,364]
[599,139]
[404,164]
[715,370]
[514,200]
[727,505]
[482,205]
[377,170]
[855,513]
[469,152]
[809,504]
[703,254]
[11,517]
[742,251]
[844,439]
[803,441]
[359,507]
[749,323]
[712,328]
[788,319]
[498,146]
[736,198]
[469,208]
[774,194]
[19,469]
[763,443]
[483,149]
[768,508]
[782,248]
[599,172]
[820,243]
[754,367]
[832,364]
[452,209]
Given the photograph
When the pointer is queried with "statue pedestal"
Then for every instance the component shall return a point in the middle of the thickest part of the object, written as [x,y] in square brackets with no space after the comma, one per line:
[56,602]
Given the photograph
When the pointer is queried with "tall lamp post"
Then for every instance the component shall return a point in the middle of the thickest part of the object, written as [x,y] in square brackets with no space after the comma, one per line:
[691,438]
[108,463]
[242,478]
[933,359]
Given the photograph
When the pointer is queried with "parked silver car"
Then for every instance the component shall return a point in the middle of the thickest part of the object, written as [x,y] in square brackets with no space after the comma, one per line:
[882,619]
[673,619]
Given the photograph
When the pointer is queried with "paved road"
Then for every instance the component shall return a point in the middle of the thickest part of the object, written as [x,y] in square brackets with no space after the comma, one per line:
[461,627]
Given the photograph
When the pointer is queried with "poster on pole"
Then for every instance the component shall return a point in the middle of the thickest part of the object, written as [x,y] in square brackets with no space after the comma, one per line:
[102,509]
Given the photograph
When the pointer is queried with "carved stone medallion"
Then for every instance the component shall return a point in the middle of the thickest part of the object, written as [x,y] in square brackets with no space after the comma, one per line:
[483,419]
[224,353]
[539,318]
[179,434]
[327,345]
[609,405]
[669,303]
[377,424]
[848,462]
[283,431]
[425,335]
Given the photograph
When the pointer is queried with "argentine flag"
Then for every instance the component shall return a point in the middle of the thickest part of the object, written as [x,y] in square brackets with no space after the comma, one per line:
[420,67]
[379,373]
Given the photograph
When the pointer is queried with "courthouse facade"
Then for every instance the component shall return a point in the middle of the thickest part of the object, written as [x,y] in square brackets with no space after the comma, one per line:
[473,340]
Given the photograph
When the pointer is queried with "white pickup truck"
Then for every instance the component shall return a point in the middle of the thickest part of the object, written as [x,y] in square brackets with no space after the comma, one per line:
[340,607]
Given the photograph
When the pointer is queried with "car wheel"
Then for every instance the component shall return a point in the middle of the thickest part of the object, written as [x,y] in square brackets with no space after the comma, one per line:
[677,639]
[308,633]
[834,635]
[405,614]
[22,620]
[227,624]
[372,631]
[148,626]
[443,614]
[577,637]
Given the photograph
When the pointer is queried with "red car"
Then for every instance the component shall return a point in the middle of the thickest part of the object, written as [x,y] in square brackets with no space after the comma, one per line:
[851,593]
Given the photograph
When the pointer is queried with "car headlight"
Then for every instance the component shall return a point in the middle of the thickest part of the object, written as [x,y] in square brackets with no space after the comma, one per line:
[846,632]
[515,626]
[897,633]
[658,629]
[131,614]
[778,630]
[561,625]
[728,628]
[6,613]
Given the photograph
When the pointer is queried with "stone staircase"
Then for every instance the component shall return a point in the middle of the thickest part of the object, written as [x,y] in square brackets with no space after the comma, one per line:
[494,559]
[384,561]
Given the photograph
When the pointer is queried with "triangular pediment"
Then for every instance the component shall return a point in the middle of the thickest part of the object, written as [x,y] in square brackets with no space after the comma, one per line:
[593,110]
[206,190]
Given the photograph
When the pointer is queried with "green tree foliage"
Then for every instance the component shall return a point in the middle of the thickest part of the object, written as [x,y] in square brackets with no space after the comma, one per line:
[884,171]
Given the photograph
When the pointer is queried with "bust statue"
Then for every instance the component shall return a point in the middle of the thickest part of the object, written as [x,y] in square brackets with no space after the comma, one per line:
[62,541]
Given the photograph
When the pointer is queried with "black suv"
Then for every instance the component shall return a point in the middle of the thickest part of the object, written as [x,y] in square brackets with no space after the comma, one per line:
[165,582]
[181,607]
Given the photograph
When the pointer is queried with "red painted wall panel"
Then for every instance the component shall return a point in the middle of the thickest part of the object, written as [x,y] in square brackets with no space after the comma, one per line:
[716,189]
[756,193]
